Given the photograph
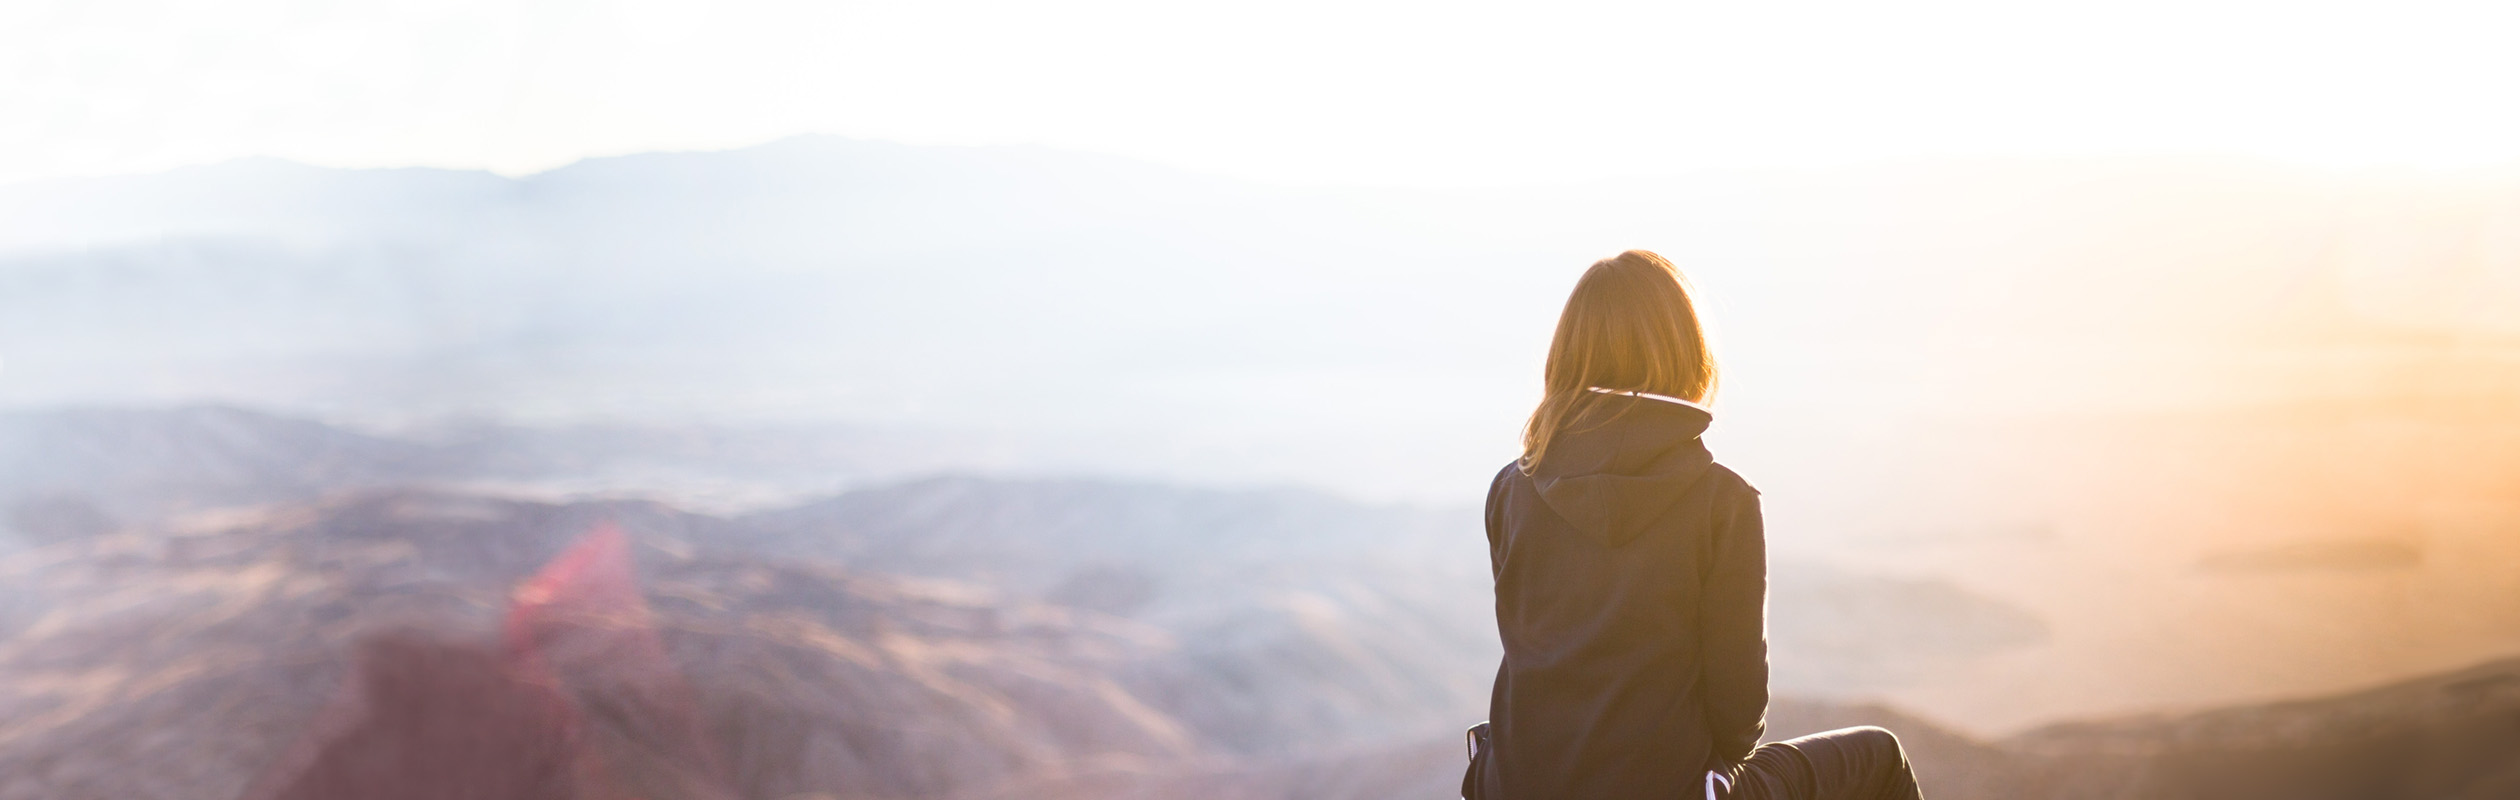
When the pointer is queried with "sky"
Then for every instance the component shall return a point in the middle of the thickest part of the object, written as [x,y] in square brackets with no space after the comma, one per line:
[1355,92]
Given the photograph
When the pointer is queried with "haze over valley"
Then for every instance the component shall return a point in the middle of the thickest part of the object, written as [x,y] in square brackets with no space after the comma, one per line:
[990,472]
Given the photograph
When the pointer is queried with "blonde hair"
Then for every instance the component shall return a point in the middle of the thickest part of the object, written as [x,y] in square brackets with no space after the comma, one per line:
[1629,326]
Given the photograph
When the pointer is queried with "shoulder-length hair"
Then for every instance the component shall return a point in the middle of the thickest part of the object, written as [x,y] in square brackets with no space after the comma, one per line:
[1629,327]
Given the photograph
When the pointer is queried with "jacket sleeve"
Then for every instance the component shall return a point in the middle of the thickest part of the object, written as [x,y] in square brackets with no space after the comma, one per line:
[1733,626]
[1496,518]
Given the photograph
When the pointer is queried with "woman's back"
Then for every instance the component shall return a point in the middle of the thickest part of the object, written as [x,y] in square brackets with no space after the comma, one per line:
[1629,579]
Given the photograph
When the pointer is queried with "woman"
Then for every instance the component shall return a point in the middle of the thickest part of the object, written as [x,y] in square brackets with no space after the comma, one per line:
[1631,581]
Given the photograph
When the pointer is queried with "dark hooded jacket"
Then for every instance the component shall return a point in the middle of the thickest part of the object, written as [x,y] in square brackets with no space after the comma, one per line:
[1631,585]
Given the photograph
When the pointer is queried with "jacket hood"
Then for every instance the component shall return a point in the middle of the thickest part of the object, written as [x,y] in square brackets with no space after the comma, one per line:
[1619,465]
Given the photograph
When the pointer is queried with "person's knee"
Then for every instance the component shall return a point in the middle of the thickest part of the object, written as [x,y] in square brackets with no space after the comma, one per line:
[1876,739]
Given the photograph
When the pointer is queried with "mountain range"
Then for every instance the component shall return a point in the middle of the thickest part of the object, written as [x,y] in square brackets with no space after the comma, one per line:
[183,659]
[1089,313]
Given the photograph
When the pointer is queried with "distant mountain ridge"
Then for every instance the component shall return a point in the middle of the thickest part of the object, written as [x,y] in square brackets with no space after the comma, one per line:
[1164,323]
[817,280]
[97,468]
[1268,584]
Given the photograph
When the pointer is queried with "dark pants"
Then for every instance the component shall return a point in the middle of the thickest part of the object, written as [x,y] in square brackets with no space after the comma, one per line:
[1847,764]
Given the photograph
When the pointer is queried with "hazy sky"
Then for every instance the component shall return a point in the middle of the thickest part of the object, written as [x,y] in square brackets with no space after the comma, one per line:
[1352,91]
